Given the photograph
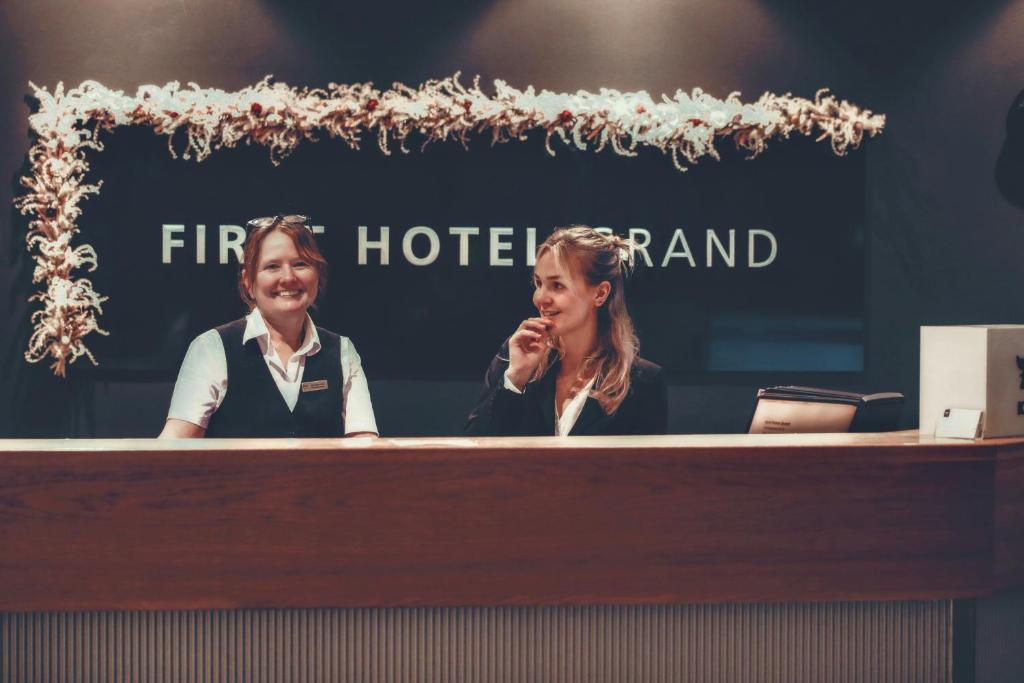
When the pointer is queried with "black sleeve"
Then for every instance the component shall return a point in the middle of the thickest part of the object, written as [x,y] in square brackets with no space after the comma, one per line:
[499,412]
[652,408]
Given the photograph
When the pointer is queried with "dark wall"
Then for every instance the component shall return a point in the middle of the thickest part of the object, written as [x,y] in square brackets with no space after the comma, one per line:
[942,241]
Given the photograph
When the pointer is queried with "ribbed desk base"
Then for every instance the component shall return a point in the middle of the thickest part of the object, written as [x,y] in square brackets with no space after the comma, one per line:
[874,642]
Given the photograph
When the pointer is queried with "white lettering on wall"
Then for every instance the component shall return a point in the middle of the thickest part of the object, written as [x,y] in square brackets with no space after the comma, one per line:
[751,262]
[382,244]
[636,234]
[531,247]
[232,237]
[498,246]
[678,237]
[422,245]
[410,255]
[200,243]
[169,242]
[713,241]
[464,233]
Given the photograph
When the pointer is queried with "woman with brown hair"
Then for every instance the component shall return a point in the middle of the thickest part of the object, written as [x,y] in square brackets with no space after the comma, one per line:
[287,377]
[574,369]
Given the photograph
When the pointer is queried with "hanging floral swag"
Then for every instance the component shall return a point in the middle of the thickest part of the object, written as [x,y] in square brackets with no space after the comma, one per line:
[279,117]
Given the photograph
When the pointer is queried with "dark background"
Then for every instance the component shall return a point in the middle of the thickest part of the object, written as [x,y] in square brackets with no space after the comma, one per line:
[940,235]
[443,320]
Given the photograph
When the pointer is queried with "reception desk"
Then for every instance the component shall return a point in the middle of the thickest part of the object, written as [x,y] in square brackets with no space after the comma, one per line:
[881,557]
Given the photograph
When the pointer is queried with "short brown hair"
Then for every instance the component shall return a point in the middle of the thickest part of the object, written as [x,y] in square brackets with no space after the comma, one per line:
[301,236]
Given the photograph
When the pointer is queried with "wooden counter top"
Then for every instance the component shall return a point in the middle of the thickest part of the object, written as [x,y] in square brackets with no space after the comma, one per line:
[130,524]
[909,438]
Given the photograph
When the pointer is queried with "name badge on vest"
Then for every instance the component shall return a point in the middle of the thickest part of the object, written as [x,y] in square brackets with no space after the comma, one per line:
[318,385]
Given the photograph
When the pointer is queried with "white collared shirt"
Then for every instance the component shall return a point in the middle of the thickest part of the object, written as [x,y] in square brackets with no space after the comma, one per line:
[203,378]
[571,408]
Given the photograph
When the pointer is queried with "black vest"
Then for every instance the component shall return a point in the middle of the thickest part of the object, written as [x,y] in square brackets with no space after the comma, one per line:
[254,406]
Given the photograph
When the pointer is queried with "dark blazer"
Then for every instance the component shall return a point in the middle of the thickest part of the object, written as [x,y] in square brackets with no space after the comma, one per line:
[501,412]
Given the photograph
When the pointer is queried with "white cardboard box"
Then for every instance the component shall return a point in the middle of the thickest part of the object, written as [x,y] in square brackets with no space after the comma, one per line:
[976,367]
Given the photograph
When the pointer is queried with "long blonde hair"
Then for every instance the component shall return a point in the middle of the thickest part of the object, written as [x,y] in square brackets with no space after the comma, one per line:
[599,258]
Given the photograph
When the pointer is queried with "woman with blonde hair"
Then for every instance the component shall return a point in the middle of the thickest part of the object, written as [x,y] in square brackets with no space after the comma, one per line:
[574,369]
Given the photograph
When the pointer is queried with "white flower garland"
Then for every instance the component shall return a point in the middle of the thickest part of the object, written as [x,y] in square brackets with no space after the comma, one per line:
[280,117]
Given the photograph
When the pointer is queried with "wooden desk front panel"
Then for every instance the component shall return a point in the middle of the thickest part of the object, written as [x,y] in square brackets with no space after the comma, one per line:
[148,525]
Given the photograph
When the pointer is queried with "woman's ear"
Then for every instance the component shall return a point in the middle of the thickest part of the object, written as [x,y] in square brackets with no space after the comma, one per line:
[601,293]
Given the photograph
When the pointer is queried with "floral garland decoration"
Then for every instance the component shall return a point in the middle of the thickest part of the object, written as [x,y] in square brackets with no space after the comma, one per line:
[279,117]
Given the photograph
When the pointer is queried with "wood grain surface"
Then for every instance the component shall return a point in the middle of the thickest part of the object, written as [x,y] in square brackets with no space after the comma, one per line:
[139,524]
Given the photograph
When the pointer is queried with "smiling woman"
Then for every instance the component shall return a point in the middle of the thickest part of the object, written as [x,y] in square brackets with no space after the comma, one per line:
[287,376]
[574,369]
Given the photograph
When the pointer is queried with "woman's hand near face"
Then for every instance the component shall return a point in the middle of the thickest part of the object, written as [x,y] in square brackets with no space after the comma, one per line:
[526,348]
